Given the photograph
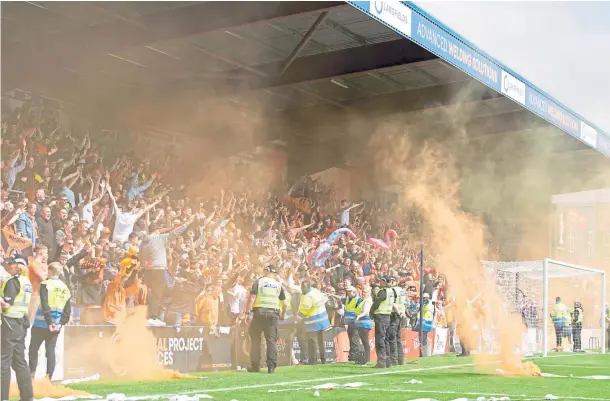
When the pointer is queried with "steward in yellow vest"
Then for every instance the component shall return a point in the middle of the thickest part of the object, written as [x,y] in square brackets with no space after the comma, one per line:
[266,303]
[397,355]
[312,310]
[52,314]
[15,296]
[577,327]
[352,301]
[383,304]
[560,315]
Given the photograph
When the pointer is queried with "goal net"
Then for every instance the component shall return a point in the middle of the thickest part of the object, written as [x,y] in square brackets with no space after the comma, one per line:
[530,289]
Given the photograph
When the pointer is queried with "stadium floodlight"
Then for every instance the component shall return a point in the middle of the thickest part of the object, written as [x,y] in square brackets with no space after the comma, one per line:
[529,286]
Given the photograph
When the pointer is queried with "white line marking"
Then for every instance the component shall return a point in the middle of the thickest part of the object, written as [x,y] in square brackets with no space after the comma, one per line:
[549,366]
[479,394]
[319,379]
[387,372]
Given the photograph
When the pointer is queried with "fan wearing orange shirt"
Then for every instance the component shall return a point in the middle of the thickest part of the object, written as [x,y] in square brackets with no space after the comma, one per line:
[126,282]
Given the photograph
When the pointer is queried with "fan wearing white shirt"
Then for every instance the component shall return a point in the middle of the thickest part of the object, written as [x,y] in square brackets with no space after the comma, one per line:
[237,299]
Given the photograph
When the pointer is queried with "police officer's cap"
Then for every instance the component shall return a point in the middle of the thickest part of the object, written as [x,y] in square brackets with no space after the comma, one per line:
[270,269]
[16,260]
[384,279]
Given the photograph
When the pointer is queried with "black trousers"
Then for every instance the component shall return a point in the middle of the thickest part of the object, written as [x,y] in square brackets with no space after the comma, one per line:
[13,356]
[382,339]
[559,330]
[576,335]
[397,355]
[315,342]
[354,340]
[265,321]
[364,338]
[37,337]
[155,281]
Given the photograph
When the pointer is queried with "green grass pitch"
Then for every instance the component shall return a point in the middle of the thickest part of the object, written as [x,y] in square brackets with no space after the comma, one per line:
[442,378]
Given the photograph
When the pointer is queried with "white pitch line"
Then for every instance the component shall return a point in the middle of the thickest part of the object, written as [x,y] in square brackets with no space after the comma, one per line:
[470,393]
[386,372]
[549,366]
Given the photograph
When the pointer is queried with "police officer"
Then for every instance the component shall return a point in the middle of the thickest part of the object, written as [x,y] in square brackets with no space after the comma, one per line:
[312,310]
[396,318]
[577,327]
[559,315]
[349,317]
[266,304]
[52,314]
[15,296]
[381,310]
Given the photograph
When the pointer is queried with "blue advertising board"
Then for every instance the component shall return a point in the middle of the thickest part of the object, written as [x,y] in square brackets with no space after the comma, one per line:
[418,26]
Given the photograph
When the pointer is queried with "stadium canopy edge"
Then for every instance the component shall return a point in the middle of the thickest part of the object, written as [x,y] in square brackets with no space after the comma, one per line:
[415,24]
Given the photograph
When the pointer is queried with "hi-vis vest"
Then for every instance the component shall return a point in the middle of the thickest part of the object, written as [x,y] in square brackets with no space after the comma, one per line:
[58,297]
[21,304]
[365,322]
[349,315]
[560,314]
[579,318]
[268,295]
[313,310]
[385,307]
[428,317]
[399,305]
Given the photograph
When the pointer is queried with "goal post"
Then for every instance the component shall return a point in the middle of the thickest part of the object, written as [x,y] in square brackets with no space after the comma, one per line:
[530,288]
[550,270]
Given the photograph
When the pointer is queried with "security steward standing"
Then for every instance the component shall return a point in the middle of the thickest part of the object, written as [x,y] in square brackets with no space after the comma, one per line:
[266,305]
[381,310]
[52,314]
[349,317]
[364,324]
[559,315]
[15,296]
[396,317]
[312,310]
[577,327]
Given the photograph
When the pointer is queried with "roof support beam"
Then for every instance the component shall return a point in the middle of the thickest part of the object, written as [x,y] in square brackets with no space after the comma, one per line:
[303,69]
[295,52]
[27,60]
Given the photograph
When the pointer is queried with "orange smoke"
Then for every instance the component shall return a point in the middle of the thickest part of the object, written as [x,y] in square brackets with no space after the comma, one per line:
[44,388]
[431,185]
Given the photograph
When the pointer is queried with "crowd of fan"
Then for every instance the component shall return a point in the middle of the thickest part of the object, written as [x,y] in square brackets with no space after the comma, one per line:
[124,238]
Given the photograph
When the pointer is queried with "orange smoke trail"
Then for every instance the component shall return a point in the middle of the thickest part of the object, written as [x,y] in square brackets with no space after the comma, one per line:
[456,238]
[44,388]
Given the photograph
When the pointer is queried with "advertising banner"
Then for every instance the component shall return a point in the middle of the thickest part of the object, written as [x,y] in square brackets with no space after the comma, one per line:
[184,349]
[410,343]
[87,350]
[417,25]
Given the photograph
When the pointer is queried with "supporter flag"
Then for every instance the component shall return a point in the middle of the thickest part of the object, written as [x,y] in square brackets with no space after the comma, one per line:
[13,243]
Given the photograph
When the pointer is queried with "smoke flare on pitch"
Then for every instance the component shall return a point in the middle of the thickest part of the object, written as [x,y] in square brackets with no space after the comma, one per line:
[430,183]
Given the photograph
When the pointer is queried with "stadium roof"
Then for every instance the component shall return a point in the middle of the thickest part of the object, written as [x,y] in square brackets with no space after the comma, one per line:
[295,59]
